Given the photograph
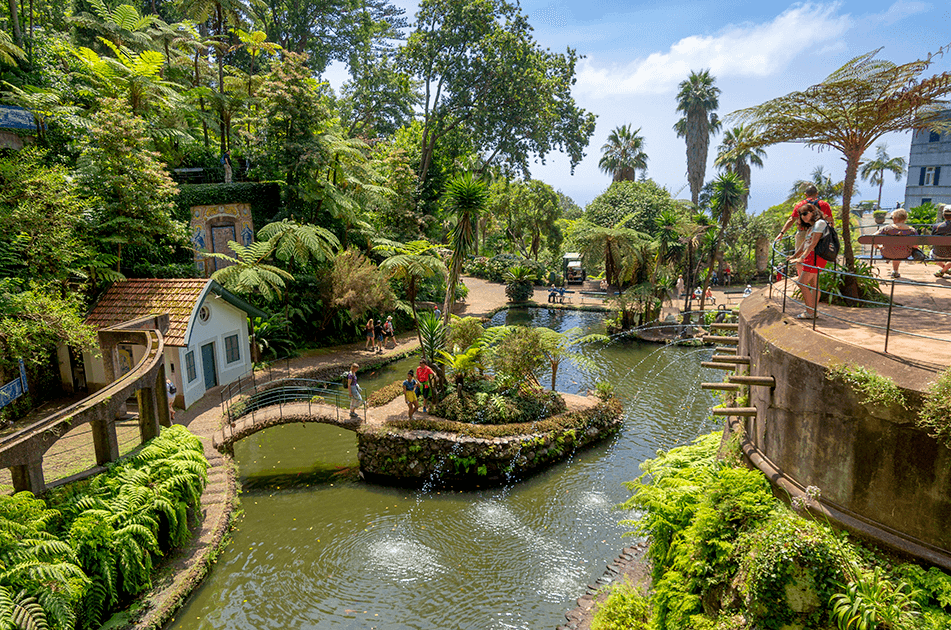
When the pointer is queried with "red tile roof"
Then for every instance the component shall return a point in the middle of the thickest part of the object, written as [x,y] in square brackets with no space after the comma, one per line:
[130,299]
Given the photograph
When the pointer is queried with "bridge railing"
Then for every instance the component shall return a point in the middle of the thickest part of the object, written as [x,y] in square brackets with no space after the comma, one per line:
[886,286]
[278,393]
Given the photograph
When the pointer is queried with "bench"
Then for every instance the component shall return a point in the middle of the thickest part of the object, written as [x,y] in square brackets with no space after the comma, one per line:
[734,294]
[560,296]
[911,240]
[598,295]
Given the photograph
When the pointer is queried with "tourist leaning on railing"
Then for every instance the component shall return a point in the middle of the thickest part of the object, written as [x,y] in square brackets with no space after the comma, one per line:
[810,221]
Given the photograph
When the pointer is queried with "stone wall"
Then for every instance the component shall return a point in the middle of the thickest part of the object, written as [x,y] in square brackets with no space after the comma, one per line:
[879,475]
[415,457]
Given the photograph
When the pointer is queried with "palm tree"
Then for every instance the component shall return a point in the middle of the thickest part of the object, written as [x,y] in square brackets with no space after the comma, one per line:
[300,242]
[620,248]
[728,195]
[874,171]
[467,196]
[737,153]
[698,99]
[827,189]
[851,109]
[411,263]
[623,154]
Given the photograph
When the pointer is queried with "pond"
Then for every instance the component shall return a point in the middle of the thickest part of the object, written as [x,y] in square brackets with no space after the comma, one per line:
[316,547]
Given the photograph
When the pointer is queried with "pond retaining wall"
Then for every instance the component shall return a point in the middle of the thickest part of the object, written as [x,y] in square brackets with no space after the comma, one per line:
[416,457]
[879,475]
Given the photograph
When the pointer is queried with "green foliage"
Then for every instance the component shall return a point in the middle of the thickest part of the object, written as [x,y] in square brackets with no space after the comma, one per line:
[517,357]
[871,387]
[872,601]
[624,609]
[519,284]
[432,334]
[925,214]
[604,389]
[93,544]
[935,414]
[494,268]
[490,404]
[636,203]
[263,197]
[832,286]
[386,394]
[464,332]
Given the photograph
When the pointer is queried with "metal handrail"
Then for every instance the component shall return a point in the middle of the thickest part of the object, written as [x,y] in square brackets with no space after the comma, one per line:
[284,391]
[892,282]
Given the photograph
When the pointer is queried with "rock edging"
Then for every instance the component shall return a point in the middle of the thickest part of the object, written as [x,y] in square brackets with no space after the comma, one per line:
[630,565]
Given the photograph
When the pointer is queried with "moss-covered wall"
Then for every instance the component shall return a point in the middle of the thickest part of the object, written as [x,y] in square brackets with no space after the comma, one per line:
[416,458]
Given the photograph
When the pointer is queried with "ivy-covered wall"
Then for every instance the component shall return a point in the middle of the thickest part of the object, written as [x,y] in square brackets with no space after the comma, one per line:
[414,457]
[264,197]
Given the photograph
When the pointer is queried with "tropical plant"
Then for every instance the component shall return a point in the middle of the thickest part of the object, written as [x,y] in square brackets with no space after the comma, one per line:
[621,249]
[466,196]
[825,188]
[698,100]
[874,170]
[557,346]
[519,283]
[249,272]
[728,194]
[300,243]
[851,109]
[432,334]
[737,153]
[623,154]
[872,601]
[411,263]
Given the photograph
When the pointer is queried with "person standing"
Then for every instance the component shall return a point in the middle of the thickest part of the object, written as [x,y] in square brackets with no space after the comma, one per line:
[436,311]
[805,257]
[353,388]
[378,335]
[680,286]
[427,378]
[388,329]
[370,335]
[171,391]
[226,163]
[409,393]
[897,253]
[942,252]
[812,197]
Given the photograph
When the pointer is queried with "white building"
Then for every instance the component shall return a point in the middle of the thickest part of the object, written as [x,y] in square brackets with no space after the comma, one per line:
[929,169]
[207,342]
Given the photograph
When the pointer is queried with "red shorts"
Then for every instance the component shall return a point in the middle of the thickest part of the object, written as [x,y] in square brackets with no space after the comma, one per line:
[813,263]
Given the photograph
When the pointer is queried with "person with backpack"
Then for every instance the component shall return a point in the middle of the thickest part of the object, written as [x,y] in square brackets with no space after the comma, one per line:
[814,225]
[388,331]
[172,391]
[812,197]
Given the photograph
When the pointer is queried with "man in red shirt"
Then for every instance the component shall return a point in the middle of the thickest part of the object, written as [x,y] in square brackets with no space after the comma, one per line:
[812,195]
[426,378]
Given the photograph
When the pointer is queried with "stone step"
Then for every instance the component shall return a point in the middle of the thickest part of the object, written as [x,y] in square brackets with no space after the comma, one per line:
[726,387]
[763,381]
[733,411]
[729,358]
[719,365]
[729,341]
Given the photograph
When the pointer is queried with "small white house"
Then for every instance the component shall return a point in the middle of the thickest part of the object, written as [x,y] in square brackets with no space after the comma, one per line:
[207,342]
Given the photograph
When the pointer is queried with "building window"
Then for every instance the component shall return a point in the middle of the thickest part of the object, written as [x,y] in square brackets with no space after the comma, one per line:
[204,313]
[934,136]
[232,353]
[190,367]
[930,176]
[924,201]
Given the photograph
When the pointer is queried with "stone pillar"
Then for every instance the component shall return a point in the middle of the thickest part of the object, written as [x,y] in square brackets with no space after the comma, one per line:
[161,398]
[29,477]
[104,437]
[148,418]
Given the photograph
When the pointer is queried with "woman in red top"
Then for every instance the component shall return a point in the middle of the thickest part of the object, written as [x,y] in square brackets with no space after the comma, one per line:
[426,378]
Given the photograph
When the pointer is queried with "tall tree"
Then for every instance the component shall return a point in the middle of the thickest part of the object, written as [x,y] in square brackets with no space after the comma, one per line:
[482,71]
[623,154]
[737,153]
[698,100]
[728,195]
[411,263]
[874,170]
[851,109]
[467,196]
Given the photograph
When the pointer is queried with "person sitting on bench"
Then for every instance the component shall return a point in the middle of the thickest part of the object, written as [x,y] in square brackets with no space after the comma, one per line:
[897,253]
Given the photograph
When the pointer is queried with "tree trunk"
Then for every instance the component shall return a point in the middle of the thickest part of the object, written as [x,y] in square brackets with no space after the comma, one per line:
[15,20]
[850,286]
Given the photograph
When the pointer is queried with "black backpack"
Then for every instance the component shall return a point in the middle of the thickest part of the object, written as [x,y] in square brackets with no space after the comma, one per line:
[828,246]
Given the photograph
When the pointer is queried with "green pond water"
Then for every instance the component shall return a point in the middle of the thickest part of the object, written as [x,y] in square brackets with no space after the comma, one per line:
[318,548]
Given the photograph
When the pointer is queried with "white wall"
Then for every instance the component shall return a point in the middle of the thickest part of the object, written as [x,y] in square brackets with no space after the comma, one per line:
[224,321]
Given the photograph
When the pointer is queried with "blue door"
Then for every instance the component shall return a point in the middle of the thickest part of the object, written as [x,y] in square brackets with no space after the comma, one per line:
[208,365]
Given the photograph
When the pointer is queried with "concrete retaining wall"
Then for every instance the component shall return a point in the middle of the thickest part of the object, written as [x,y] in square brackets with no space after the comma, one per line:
[879,474]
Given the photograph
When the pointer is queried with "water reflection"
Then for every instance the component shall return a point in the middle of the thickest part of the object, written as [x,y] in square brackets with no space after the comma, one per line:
[338,553]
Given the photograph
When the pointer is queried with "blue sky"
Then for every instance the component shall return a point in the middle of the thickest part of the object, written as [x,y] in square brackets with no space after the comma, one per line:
[636,53]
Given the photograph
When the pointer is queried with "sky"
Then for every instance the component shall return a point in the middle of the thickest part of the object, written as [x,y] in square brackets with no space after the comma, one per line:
[637,52]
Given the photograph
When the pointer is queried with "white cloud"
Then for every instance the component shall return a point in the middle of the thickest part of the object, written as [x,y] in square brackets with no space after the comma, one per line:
[899,11]
[746,50]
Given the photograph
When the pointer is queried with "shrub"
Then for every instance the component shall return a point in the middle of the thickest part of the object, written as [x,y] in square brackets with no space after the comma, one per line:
[518,283]
[872,388]
[385,395]
[493,269]
[935,414]
[489,405]
[624,609]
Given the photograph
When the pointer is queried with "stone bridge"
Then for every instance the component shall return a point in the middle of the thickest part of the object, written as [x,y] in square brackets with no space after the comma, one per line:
[289,413]
[22,452]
